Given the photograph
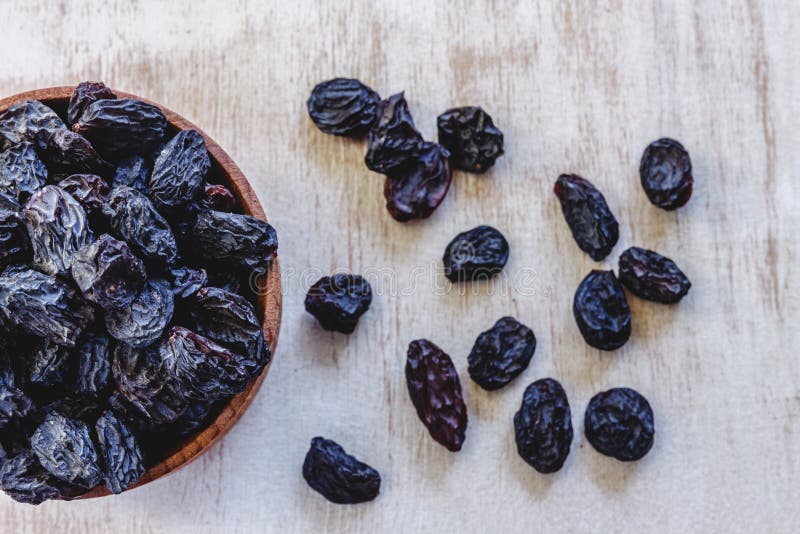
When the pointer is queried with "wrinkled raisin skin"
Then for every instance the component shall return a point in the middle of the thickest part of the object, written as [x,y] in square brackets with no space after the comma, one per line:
[394,142]
[476,254]
[343,106]
[619,423]
[179,170]
[121,453]
[471,137]
[666,174]
[339,301]
[651,276]
[338,476]
[588,216]
[239,241]
[144,321]
[435,391]
[543,426]
[83,96]
[65,449]
[122,127]
[601,311]
[415,191]
[501,353]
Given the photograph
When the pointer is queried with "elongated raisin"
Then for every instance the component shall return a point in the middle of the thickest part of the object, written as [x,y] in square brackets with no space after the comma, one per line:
[414,192]
[179,170]
[501,353]
[121,453]
[477,254]
[343,106]
[435,391]
[471,137]
[394,143]
[543,426]
[94,366]
[337,476]
[590,220]
[14,241]
[619,423]
[239,241]
[122,127]
[134,219]
[83,96]
[666,174]
[601,311]
[651,276]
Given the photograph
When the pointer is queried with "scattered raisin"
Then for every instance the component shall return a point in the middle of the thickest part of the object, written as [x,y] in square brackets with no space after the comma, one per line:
[666,174]
[601,311]
[415,192]
[651,276]
[338,301]
[343,106]
[501,353]
[394,143]
[471,137]
[338,476]
[590,220]
[543,426]
[619,423]
[476,254]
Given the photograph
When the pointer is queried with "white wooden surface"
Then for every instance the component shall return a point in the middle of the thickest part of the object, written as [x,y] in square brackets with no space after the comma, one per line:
[576,86]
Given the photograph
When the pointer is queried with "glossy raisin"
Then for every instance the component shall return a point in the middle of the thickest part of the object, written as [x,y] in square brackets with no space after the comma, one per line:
[134,219]
[25,480]
[120,451]
[666,174]
[22,173]
[601,311]
[29,121]
[65,449]
[343,106]
[543,426]
[179,170]
[338,301]
[651,276]
[476,254]
[591,222]
[14,241]
[89,190]
[122,127]
[70,151]
[471,137]
[416,191]
[108,273]
[83,96]
[144,321]
[501,353]
[239,241]
[435,391]
[94,366]
[619,423]
[133,171]
[338,476]
[394,143]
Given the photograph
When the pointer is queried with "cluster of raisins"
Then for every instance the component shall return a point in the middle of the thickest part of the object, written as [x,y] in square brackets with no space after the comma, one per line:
[126,319]
[418,173]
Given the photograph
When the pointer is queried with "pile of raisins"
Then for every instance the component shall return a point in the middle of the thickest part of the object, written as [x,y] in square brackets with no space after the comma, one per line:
[126,318]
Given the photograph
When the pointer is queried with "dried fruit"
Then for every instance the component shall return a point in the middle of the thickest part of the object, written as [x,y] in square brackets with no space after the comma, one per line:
[83,96]
[543,426]
[43,306]
[338,301]
[25,480]
[337,476]
[238,241]
[67,150]
[501,353]
[179,170]
[29,121]
[590,220]
[143,322]
[343,106]
[394,143]
[601,311]
[58,228]
[133,171]
[120,451]
[619,423]
[22,173]
[134,218]
[435,390]
[64,448]
[217,197]
[108,273]
[14,241]
[187,282]
[14,403]
[651,276]
[94,366]
[666,174]
[49,364]
[119,128]
[471,137]
[416,191]
[89,190]
[476,254]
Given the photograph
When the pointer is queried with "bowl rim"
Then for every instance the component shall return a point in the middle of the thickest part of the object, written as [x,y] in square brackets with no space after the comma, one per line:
[269,302]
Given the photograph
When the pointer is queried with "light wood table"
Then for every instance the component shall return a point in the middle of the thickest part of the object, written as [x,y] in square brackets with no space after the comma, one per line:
[576,86]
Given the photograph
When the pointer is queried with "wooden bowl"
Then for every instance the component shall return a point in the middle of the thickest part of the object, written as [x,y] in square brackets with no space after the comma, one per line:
[269,300]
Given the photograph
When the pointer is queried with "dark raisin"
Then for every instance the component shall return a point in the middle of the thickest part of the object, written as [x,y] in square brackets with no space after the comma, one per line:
[120,451]
[108,273]
[91,192]
[394,143]
[179,170]
[83,96]
[43,305]
[601,311]
[231,320]
[217,197]
[144,321]
[64,448]
[119,128]
[187,282]
[501,353]
[476,254]
[49,364]
[590,220]
[94,366]
[238,241]
[471,137]
[196,417]
[619,423]
[416,191]
[543,426]
[67,150]
[343,106]
[22,173]
[134,219]
[651,276]
[338,301]
[133,171]
[14,404]
[58,228]
[435,390]
[14,241]
[337,476]
[666,174]
[25,480]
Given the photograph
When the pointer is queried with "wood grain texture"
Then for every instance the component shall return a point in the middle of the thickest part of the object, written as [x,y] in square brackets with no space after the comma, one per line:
[576,86]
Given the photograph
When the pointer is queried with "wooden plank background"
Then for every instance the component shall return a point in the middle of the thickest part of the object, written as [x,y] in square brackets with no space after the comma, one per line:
[576,86]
